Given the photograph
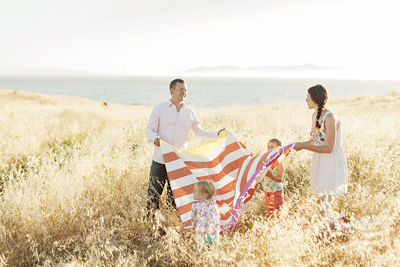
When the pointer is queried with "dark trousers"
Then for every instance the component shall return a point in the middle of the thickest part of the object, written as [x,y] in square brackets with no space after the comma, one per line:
[158,178]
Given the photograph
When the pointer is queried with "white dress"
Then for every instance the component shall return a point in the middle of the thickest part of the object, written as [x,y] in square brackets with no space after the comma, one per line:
[328,170]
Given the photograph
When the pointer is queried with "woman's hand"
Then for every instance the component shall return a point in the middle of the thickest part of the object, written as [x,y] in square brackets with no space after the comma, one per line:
[298,146]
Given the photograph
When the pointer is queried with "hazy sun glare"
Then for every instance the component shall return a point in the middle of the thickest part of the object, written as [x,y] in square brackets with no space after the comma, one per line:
[166,38]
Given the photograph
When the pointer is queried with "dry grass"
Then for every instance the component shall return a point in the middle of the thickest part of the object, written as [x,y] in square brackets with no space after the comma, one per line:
[74,178]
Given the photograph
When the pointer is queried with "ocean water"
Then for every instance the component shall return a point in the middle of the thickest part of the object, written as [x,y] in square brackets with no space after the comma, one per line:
[202,91]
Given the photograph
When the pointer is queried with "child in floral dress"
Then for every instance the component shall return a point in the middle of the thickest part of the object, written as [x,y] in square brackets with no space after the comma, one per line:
[205,214]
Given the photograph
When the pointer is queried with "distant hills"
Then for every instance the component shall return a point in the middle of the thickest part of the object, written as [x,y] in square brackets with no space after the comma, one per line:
[262,71]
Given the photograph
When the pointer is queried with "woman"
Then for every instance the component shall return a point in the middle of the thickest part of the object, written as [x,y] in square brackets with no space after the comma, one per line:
[328,168]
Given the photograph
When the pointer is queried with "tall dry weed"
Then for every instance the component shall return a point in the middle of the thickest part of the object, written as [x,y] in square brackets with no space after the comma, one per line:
[74,177]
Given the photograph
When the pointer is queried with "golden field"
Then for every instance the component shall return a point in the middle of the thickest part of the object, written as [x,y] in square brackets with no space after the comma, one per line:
[74,176]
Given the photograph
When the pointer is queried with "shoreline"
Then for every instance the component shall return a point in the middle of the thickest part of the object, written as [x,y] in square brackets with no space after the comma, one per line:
[215,92]
[17,92]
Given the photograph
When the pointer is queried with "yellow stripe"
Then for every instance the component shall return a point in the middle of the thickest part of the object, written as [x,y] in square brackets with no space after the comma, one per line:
[204,148]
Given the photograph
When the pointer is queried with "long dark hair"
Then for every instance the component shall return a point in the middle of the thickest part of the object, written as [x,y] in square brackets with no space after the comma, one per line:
[319,95]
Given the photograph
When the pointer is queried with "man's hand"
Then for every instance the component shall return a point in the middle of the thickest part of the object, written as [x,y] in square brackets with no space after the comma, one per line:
[157,141]
[223,129]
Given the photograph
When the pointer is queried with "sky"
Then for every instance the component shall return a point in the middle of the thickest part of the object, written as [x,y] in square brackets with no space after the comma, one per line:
[167,37]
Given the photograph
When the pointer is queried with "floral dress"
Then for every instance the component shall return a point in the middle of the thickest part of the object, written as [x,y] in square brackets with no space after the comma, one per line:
[206,220]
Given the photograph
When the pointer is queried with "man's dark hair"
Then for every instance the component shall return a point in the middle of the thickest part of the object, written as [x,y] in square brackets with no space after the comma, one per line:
[174,82]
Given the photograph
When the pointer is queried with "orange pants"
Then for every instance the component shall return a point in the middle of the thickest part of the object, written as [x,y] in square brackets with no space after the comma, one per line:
[273,201]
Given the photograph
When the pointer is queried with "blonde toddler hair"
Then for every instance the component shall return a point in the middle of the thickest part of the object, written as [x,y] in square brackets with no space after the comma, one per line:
[276,141]
[206,187]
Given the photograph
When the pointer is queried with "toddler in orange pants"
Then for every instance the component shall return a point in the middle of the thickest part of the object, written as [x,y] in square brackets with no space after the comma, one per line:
[272,183]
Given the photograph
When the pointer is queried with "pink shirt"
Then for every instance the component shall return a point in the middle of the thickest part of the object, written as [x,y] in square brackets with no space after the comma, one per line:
[173,127]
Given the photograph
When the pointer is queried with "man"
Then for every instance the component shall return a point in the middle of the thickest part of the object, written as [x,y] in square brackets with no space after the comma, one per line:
[170,121]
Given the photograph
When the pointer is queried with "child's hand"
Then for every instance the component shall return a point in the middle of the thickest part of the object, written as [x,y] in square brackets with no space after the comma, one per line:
[264,184]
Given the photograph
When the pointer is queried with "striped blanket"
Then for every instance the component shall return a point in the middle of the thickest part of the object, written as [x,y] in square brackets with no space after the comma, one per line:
[226,161]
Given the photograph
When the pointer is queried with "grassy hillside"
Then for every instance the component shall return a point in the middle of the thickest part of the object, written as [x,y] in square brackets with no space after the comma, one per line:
[74,176]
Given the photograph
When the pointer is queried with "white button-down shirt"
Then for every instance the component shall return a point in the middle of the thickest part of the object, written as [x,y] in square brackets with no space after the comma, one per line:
[173,127]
